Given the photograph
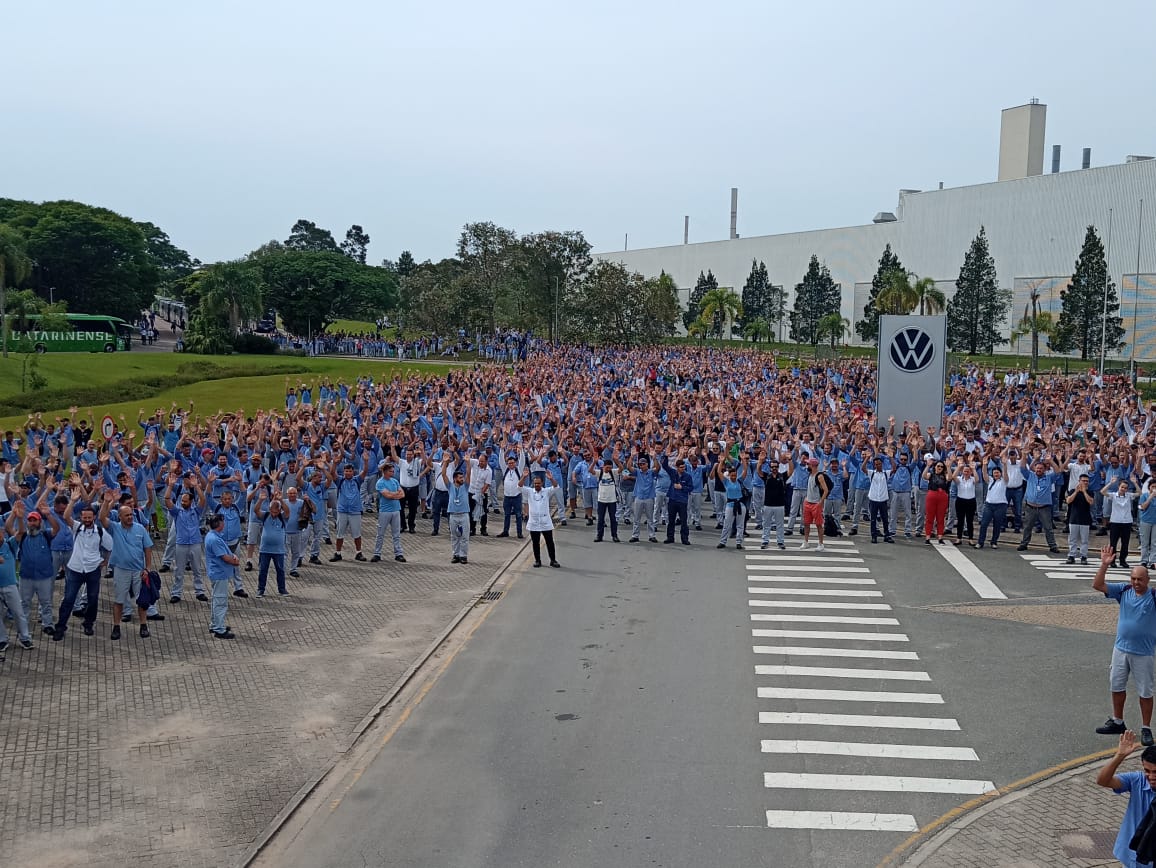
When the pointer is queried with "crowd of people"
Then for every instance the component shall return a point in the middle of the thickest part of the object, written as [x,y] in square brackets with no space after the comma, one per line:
[655,440]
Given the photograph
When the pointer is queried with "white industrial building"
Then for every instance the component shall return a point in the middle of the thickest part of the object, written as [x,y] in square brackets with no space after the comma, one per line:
[1035,226]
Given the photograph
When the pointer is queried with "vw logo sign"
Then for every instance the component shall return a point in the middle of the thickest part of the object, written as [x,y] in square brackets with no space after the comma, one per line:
[912,350]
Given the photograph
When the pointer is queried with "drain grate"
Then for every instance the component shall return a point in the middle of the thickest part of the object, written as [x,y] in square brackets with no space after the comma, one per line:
[490,596]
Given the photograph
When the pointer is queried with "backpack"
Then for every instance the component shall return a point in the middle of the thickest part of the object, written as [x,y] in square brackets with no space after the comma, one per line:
[831,526]
[822,474]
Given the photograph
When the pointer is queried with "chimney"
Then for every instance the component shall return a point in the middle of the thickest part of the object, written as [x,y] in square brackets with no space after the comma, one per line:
[686,229]
[734,212]
[1055,159]
[1086,162]
[1021,140]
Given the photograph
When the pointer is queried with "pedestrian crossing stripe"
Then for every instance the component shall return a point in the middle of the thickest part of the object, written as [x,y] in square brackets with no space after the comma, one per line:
[823,619]
[848,695]
[815,651]
[875,783]
[885,751]
[875,721]
[841,821]
[836,672]
[811,604]
[815,592]
[817,580]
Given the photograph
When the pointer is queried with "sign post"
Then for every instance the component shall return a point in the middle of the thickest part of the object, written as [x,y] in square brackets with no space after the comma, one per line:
[107,427]
[912,369]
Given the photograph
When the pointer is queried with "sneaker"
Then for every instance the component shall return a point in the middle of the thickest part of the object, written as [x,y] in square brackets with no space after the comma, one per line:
[359,557]
[739,546]
[994,546]
[788,532]
[115,633]
[555,564]
[375,559]
[173,600]
[144,631]
[248,566]
[537,563]
[296,574]
[802,547]
[1021,548]
[88,631]
[335,557]
[889,539]
[282,593]
[820,548]
[159,617]
[49,631]
[667,542]
[1146,736]
[1070,560]
[853,532]
[764,546]
[399,558]
[633,539]
[240,592]
[228,634]
[464,560]
[1110,727]
[260,593]
[125,618]
[164,568]
[1083,561]
[456,560]
[203,598]
[1054,549]
[315,560]
[57,635]
[783,546]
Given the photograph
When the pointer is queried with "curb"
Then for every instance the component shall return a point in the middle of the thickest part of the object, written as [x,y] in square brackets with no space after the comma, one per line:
[255,849]
[925,843]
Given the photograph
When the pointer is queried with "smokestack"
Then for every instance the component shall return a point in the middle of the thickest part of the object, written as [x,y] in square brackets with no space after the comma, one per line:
[686,229]
[1086,162]
[734,212]
[1055,159]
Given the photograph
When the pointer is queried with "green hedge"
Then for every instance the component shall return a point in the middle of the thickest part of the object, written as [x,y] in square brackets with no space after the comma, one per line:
[136,389]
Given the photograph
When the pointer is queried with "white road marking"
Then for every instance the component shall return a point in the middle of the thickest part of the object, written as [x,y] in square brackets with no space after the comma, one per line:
[808,568]
[810,651]
[819,558]
[829,634]
[811,604]
[841,821]
[824,619]
[836,541]
[818,580]
[886,751]
[1083,577]
[831,672]
[848,695]
[875,783]
[973,575]
[815,592]
[803,718]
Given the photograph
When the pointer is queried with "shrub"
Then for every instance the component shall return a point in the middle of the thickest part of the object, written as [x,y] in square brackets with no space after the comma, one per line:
[255,345]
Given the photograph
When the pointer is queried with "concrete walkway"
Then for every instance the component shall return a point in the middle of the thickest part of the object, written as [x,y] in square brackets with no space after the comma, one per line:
[179,750]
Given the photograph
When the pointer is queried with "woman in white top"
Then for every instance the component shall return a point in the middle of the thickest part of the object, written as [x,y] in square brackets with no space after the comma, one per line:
[1120,520]
[536,499]
[964,504]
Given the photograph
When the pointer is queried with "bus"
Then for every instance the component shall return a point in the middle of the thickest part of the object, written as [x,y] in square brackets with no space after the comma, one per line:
[90,332]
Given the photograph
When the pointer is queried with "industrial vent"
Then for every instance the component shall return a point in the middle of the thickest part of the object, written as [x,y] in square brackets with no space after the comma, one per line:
[883,217]
[1137,158]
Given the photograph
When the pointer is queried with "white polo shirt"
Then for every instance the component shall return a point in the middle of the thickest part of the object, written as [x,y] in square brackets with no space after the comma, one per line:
[87,547]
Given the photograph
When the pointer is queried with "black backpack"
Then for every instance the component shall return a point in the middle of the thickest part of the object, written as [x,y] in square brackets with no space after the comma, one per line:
[831,526]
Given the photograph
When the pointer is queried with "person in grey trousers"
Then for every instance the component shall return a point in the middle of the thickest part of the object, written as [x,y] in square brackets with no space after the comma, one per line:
[458,507]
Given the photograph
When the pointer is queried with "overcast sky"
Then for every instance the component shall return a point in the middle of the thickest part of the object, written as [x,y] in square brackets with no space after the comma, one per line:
[224,122]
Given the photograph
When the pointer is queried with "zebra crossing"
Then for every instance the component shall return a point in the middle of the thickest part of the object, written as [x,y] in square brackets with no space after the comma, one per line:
[831,661]
[1058,567]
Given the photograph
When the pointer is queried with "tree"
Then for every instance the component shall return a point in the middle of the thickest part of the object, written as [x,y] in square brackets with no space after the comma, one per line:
[405,264]
[868,327]
[704,284]
[219,298]
[1035,323]
[978,310]
[756,298]
[356,243]
[777,307]
[1088,318]
[900,296]
[817,296]
[97,260]
[834,327]
[758,330]
[172,263]
[431,296]
[15,266]
[310,288]
[720,306]
[659,308]
[549,265]
[617,306]
[307,235]
[488,255]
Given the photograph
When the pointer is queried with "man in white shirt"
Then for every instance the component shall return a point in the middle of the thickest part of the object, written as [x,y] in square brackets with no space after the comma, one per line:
[90,551]
[994,513]
[878,500]
[481,480]
[512,496]
[536,499]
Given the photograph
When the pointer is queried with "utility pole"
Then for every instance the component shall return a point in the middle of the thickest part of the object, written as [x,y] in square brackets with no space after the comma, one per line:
[1136,291]
[555,334]
[1104,317]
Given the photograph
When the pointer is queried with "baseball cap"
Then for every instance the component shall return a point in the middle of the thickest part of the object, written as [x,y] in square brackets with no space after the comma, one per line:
[34,515]
[813,462]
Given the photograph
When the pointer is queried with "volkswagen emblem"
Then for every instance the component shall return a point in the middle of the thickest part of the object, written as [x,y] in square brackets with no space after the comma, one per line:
[912,349]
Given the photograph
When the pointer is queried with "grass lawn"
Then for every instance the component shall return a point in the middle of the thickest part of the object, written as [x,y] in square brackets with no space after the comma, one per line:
[358,327]
[248,393]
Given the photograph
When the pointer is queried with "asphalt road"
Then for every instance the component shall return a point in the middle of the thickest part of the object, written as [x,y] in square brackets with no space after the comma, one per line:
[609,713]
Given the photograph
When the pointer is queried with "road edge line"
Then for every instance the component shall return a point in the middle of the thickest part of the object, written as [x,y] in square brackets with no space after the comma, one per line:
[310,786]
[926,842]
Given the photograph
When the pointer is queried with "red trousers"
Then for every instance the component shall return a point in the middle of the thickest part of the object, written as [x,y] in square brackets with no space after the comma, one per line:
[935,510]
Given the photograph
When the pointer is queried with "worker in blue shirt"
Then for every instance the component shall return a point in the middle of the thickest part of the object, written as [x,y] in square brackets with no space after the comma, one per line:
[678,496]
[1038,485]
[899,481]
[642,512]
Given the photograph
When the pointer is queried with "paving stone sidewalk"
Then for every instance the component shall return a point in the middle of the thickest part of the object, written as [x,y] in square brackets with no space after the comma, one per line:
[178,750]
[1063,822]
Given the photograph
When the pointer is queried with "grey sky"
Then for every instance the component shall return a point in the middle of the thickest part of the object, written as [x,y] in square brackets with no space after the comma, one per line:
[223,122]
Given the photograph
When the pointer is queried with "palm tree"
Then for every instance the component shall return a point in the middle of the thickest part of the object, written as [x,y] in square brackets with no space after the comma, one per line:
[720,306]
[759,330]
[15,266]
[700,328]
[1035,324]
[834,326]
[931,298]
[901,296]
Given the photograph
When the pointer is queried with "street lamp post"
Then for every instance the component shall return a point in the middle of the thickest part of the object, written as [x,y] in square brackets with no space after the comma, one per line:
[1104,318]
